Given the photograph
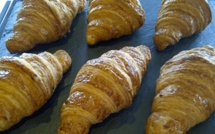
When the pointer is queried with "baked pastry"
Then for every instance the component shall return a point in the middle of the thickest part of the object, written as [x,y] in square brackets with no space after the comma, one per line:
[27,82]
[103,86]
[185,92]
[42,22]
[108,19]
[180,18]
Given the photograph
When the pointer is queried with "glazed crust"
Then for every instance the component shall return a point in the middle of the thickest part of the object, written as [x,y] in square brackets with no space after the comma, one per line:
[184,93]
[27,82]
[42,22]
[103,86]
[108,19]
[180,18]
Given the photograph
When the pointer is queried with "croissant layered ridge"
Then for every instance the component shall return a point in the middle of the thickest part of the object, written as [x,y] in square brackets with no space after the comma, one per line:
[180,18]
[42,22]
[103,86]
[185,92]
[108,19]
[27,82]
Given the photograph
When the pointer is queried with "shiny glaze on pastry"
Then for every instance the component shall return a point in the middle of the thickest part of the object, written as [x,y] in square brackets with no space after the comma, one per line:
[103,86]
[180,18]
[108,19]
[27,82]
[185,92]
[42,22]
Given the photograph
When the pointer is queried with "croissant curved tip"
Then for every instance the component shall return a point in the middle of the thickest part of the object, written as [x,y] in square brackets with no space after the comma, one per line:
[159,123]
[64,58]
[146,51]
[4,124]
[73,125]
[92,39]
[162,41]
[14,45]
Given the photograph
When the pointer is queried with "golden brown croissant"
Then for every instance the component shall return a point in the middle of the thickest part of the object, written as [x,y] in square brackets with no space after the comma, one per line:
[109,19]
[41,22]
[103,86]
[180,18]
[185,92]
[27,82]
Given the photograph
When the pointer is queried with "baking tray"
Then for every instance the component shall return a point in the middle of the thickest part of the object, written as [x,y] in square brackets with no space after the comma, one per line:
[130,120]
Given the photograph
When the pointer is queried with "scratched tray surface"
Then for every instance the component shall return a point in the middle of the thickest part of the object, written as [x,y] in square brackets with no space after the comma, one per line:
[130,120]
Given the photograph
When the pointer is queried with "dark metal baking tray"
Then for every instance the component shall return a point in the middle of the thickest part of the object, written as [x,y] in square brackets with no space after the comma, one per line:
[130,120]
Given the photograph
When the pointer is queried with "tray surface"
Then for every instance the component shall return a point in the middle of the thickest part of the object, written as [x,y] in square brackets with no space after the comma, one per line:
[130,120]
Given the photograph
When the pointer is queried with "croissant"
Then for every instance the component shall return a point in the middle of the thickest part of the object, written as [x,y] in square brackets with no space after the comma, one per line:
[180,18]
[103,86]
[108,19]
[27,82]
[42,22]
[185,92]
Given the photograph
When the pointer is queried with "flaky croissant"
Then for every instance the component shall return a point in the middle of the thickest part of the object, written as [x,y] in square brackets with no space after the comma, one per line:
[42,22]
[180,18]
[27,82]
[103,86]
[185,92]
[109,19]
